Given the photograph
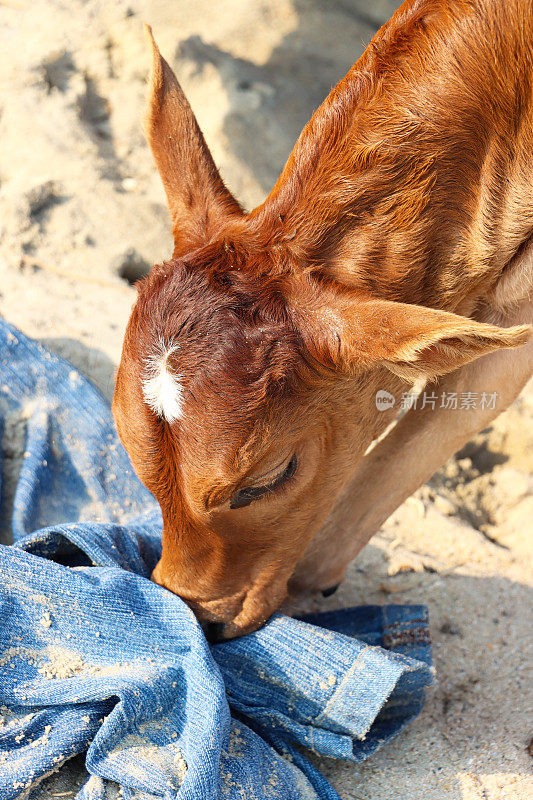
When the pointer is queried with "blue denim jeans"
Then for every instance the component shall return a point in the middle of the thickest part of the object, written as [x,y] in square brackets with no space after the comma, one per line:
[97,659]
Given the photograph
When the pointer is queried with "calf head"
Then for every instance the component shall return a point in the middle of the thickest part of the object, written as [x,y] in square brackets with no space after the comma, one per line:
[245,395]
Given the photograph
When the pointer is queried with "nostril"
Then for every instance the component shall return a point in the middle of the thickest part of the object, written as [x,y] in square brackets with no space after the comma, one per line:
[214,631]
[330,591]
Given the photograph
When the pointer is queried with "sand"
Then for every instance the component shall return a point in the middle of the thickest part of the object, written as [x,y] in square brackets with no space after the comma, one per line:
[82,214]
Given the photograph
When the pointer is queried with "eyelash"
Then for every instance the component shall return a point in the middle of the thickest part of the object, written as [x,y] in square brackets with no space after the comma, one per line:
[247,495]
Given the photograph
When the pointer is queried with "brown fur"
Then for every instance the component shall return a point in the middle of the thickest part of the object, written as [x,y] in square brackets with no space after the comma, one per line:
[403,210]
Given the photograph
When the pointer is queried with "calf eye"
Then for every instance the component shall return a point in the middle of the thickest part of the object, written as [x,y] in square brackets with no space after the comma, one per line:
[250,493]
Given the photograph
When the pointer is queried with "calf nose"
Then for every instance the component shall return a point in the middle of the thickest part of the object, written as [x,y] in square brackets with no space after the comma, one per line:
[214,631]
[330,591]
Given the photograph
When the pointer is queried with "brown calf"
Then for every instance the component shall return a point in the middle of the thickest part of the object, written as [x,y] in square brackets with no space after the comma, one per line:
[396,245]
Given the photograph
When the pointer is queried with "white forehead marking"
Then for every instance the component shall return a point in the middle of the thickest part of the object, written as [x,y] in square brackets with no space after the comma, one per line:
[162,389]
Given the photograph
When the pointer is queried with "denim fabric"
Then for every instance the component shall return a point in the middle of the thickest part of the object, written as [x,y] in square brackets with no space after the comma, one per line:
[96,658]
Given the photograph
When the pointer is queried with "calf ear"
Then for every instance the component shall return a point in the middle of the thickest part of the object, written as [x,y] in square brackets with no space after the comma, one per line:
[197,198]
[412,341]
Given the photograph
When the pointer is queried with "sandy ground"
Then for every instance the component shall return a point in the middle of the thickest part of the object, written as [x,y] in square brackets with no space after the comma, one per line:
[82,214]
